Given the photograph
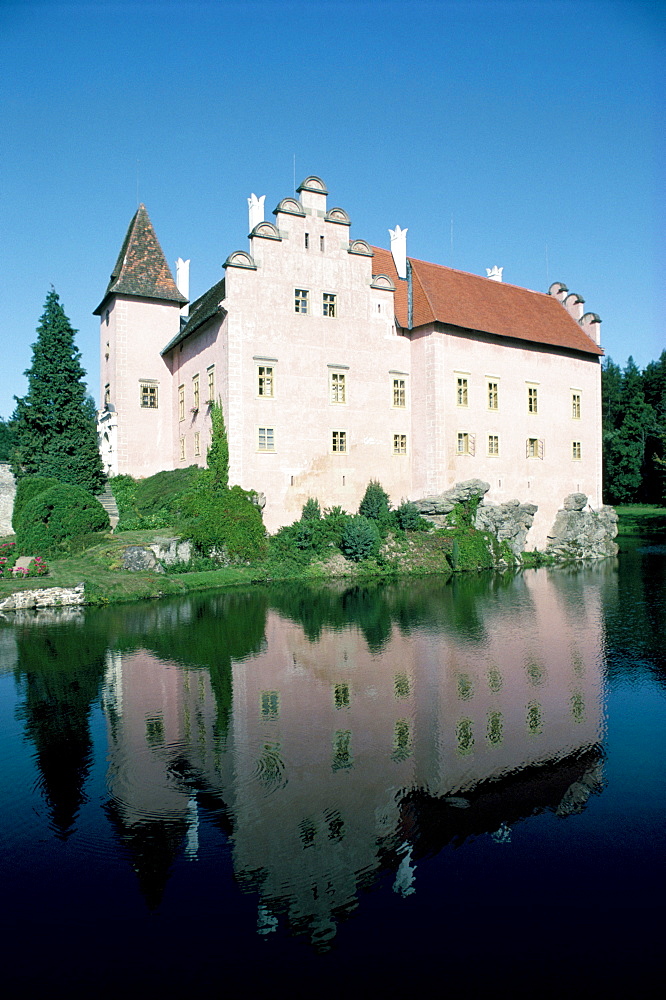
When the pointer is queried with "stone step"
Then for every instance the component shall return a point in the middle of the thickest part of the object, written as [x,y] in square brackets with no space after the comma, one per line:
[108,502]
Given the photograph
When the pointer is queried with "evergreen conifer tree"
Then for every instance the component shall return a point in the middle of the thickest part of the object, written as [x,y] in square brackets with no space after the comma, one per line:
[55,425]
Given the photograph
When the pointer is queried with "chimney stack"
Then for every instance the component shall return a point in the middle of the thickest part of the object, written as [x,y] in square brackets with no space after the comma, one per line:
[494,273]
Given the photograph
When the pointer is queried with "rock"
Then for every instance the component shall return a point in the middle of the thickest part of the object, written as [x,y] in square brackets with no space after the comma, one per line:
[171,550]
[443,503]
[7,494]
[508,522]
[48,597]
[579,534]
[137,558]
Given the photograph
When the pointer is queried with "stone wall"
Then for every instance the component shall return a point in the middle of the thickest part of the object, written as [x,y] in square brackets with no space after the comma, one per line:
[7,494]
[48,597]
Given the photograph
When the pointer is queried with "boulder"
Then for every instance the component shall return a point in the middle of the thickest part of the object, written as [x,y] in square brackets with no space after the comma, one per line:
[443,503]
[508,522]
[580,534]
[138,558]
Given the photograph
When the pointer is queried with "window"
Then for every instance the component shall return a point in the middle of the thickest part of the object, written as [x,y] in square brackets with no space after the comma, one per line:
[148,396]
[266,440]
[195,392]
[461,397]
[211,384]
[342,755]
[338,387]
[330,303]
[465,443]
[493,444]
[270,704]
[532,399]
[339,442]
[321,243]
[107,394]
[307,241]
[399,444]
[575,451]
[300,300]
[399,394]
[181,402]
[575,405]
[493,396]
[106,317]
[197,443]
[534,448]
[182,449]
[265,384]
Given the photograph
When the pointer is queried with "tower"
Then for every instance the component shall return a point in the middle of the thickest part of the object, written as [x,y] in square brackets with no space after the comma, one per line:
[139,314]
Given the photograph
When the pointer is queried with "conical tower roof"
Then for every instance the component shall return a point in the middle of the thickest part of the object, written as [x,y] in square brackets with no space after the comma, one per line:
[141,268]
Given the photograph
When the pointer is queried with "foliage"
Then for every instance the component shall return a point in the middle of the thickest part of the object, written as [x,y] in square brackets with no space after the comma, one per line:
[360,538]
[217,456]
[634,431]
[154,502]
[26,490]
[225,524]
[407,517]
[311,510]
[54,520]
[56,434]
[375,504]
[7,439]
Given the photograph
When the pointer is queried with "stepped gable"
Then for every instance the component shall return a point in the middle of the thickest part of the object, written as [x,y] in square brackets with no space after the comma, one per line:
[203,309]
[141,268]
[457,298]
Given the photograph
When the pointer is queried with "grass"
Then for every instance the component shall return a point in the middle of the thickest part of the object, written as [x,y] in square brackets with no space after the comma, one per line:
[641,519]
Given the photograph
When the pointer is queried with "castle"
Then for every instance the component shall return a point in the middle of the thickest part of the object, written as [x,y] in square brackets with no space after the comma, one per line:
[337,362]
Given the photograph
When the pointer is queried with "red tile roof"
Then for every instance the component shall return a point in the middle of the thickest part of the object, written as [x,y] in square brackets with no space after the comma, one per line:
[141,268]
[443,295]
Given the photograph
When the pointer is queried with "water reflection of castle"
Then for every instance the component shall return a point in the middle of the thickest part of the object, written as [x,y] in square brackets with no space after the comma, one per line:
[336,762]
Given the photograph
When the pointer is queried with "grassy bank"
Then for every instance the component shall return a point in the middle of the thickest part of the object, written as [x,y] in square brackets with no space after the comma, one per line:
[105,583]
[641,519]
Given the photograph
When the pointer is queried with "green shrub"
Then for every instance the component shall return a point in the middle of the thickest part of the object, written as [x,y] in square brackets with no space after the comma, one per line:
[27,489]
[56,518]
[360,538]
[408,518]
[375,503]
[311,510]
[154,502]
[226,524]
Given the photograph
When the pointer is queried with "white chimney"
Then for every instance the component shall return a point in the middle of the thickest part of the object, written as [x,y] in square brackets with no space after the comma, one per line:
[256,210]
[494,273]
[399,250]
[183,283]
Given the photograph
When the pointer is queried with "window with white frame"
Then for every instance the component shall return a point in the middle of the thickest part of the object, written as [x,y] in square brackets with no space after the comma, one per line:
[575,405]
[265,381]
[339,442]
[399,444]
[266,439]
[534,448]
[211,384]
[181,402]
[330,304]
[465,443]
[195,392]
[148,395]
[337,387]
[532,399]
[301,297]
[461,391]
[399,393]
[493,395]
[576,451]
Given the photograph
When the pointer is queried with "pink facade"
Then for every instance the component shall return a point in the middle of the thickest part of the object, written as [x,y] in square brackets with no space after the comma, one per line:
[332,370]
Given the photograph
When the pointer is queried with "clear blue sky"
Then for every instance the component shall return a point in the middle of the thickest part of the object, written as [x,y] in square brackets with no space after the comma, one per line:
[525,134]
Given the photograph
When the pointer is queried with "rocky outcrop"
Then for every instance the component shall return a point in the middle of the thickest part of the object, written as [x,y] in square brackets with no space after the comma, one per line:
[435,508]
[49,597]
[508,522]
[580,533]
[140,558]
[7,494]
[155,556]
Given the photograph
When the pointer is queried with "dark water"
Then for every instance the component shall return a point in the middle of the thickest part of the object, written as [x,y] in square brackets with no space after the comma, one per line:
[340,792]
